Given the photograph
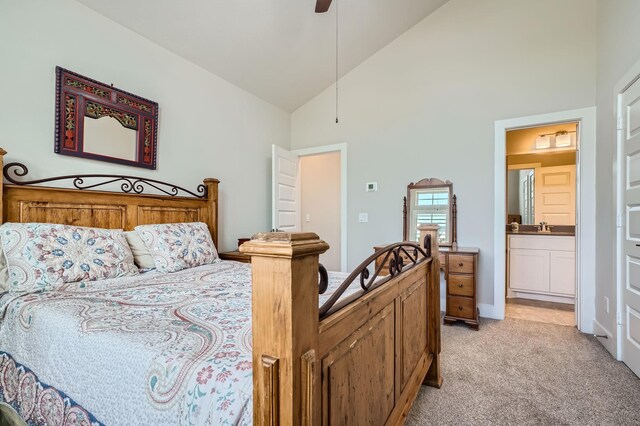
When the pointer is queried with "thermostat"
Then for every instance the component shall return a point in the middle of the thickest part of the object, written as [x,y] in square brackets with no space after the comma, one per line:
[372,186]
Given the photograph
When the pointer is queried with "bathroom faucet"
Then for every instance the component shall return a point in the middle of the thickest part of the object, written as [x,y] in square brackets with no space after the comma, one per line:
[544,227]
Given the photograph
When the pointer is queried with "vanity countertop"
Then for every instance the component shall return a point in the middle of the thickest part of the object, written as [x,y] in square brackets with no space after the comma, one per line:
[544,234]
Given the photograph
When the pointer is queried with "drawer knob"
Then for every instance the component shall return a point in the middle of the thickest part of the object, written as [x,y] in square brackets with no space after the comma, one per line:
[460,264]
[460,308]
[460,285]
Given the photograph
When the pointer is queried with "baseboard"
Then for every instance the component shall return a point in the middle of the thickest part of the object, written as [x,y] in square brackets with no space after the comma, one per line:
[610,342]
[489,311]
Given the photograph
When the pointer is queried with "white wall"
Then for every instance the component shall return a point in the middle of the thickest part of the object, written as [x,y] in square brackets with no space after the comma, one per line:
[320,202]
[618,45]
[207,127]
[425,106]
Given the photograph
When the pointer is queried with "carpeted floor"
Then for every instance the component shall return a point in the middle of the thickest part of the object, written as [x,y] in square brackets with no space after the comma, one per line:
[526,373]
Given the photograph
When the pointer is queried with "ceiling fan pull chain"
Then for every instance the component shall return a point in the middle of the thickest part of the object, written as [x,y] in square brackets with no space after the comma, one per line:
[337,8]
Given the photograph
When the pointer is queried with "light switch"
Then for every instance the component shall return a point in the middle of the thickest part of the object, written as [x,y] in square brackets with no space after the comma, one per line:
[308,217]
[363,217]
[372,186]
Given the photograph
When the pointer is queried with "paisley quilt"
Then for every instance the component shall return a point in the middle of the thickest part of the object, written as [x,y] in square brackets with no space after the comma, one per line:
[156,349]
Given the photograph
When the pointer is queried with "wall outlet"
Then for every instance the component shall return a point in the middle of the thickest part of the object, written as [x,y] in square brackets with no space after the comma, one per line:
[372,186]
[307,218]
[363,217]
[606,304]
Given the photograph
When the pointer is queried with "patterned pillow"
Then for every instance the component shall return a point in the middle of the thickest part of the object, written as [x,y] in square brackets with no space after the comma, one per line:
[178,246]
[43,256]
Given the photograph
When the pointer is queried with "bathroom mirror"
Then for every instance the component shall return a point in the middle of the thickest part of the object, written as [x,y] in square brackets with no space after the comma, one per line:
[521,196]
[430,201]
[100,122]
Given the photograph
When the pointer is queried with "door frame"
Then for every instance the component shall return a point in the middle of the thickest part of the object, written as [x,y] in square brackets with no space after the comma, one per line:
[629,78]
[342,148]
[585,209]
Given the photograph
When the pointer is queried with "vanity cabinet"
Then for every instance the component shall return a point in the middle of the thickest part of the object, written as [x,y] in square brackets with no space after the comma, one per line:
[542,267]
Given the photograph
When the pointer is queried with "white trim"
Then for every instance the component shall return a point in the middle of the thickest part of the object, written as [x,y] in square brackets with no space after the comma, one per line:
[490,311]
[623,84]
[342,148]
[585,223]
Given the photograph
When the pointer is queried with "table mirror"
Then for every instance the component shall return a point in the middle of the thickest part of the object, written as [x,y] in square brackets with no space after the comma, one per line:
[430,201]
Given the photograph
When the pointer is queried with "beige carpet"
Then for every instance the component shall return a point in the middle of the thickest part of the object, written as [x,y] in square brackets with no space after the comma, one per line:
[516,372]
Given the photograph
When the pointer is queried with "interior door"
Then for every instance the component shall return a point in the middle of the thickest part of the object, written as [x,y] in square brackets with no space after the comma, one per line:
[630,168]
[555,195]
[285,190]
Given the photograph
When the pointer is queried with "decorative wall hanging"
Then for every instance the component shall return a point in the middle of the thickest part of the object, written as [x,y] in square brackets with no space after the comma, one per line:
[100,122]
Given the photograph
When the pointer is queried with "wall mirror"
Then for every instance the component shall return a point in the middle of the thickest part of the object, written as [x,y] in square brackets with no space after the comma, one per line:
[521,196]
[430,201]
[100,122]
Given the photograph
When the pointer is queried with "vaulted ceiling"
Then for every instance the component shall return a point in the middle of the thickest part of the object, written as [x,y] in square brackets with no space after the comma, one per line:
[279,50]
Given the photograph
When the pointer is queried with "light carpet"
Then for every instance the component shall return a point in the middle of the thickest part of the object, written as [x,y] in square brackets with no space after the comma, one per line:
[516,372]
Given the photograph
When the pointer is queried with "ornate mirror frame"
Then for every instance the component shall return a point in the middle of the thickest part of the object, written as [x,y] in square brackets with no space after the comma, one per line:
[432,183]
[78,97]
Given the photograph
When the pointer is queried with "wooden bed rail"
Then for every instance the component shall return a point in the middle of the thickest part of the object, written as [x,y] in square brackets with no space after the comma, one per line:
[361,363]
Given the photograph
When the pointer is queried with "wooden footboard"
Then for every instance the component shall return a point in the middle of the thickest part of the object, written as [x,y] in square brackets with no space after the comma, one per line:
[362,362]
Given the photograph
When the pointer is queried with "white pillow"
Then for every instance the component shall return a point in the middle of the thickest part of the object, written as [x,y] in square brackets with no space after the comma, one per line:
[4,272]
[42,256]
[178,246]
[141,254]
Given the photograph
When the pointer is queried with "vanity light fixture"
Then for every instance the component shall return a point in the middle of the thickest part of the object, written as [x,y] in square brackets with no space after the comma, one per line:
[563,139]
[543,141]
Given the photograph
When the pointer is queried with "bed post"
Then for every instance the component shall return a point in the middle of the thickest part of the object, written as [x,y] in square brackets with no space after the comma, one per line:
[434,374]
[212,198]
[286,374]
[2,154]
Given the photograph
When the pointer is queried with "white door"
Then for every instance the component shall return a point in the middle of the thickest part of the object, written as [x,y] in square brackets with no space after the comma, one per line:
[285,190]
[555,195]
[630,169]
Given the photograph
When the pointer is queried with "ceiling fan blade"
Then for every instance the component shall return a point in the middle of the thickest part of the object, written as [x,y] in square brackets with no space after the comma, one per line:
[322,5]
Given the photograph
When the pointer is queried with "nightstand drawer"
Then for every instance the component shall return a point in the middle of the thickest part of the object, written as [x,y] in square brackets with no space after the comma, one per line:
[461,307]
[461,263]
[460,285]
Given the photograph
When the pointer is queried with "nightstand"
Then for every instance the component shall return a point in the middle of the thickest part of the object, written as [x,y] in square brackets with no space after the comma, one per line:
[235,256]
[460,272]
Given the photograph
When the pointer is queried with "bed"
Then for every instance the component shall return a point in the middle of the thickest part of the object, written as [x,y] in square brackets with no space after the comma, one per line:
[224,343]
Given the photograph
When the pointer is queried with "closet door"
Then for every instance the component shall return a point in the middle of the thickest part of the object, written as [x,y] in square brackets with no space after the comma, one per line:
[630,269]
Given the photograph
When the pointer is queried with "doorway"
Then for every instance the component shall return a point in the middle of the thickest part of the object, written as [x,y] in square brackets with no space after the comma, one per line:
[541,220]
[585,210]
[309,194]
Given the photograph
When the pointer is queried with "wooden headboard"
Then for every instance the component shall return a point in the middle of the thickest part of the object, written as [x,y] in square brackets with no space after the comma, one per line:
[23,201]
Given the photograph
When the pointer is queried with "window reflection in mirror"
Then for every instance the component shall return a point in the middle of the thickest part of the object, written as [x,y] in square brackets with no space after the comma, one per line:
[430,206]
